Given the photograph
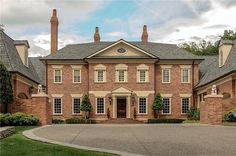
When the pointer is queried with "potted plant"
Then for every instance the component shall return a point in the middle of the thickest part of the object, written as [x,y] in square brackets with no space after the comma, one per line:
[157,105]
[86,106]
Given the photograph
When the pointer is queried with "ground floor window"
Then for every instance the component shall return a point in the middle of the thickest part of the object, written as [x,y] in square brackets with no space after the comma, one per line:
[76,106]
[166,103]
[185,105]
[142,105]
[100,105]
[57,106]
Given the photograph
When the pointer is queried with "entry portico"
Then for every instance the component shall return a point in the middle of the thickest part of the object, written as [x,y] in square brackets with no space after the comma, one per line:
[117,94]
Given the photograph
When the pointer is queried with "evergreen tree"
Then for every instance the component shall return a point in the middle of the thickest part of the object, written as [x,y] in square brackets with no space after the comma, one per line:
[6,93]
[86,106]
[157,105]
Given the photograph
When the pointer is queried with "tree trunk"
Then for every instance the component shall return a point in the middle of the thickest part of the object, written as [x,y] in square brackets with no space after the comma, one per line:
[155,114]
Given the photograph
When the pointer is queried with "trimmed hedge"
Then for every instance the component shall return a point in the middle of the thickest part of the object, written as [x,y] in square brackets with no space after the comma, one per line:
[58,121]
[18,119]
[230,116]
[76,120]
[165,120]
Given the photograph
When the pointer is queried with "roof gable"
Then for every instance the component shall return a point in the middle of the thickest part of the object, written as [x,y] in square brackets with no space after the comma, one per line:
[120,49]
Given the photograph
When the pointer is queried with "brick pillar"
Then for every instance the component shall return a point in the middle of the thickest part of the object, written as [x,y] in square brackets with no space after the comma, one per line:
[54,31]
[211,110]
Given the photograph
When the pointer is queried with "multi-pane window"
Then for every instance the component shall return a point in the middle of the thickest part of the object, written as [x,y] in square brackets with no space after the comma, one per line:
[166,103]
[100,105]
[57,106]
[100,75]
[76,105]
[185,75]
[121,75]
[142,105]
[185,105]
[166,75]
[57,75]
[76,74]
[142,75]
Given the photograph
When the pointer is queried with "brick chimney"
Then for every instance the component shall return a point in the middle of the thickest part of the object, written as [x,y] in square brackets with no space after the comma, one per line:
[54,31]
[144,34]
[96,36]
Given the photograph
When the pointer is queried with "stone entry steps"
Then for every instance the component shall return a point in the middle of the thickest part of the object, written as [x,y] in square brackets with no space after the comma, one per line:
[122,121]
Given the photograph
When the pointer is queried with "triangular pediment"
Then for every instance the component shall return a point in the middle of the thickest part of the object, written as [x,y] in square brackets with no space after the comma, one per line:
[121,49]
[121,90]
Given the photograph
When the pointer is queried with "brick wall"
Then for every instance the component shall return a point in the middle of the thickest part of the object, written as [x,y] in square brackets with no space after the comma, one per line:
[37,105]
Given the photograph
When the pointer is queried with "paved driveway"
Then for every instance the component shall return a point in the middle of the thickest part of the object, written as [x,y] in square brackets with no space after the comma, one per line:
[147,139]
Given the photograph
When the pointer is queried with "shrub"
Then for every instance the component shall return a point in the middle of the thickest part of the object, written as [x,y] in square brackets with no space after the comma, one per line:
[58,121]
[230,116]
[76,120]
[165,120]
[18,119]
[193,114]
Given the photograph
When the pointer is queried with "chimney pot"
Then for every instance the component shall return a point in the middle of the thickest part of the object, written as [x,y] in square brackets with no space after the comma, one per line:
[144,37]
[54,31]
[96,35]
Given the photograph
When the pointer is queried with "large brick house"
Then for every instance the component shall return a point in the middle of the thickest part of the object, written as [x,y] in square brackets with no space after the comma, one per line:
[121,77]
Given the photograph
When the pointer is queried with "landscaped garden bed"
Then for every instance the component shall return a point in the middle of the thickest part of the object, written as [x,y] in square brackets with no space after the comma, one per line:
[165,120]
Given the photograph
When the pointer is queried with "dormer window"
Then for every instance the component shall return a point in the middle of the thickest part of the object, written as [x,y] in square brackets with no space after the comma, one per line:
[221,58]
[22,47]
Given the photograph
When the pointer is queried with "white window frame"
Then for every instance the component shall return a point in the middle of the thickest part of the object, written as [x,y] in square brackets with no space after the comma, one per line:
[73,113]
[54,106]
[97,68]
[165,67]
[185,67]
[54,75]
[169,105]
[189,103]
[104,103]
[139,104]
[144,68]
[74,75]
[121,67]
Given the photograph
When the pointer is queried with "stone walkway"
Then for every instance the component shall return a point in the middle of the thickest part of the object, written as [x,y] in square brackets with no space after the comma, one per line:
[143,139]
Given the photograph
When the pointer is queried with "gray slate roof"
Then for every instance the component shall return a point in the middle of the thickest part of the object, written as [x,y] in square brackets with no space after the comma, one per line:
[160,50]
[11,59]
[39,68]
[210,70]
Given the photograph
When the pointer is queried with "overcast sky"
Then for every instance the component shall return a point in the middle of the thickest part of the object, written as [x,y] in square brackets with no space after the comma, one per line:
[168,21]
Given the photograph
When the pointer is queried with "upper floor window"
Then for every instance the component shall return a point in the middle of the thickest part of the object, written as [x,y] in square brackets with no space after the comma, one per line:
[57,70]
[185,73]
[166,73]
[76,73]
[142,73]
[100,73]
[121,73]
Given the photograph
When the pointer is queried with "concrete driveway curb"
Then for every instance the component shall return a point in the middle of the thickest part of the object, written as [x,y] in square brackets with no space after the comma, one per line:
[29,134]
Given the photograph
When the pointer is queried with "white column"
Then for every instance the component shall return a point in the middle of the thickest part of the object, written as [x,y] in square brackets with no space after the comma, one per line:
[128,106]
[114,107]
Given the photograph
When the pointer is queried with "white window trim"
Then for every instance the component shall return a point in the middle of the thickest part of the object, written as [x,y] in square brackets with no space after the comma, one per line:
[104,102]
[54,69]
[170,106]
[146,76]
[125,76]
[188,67]
[96,76]
[74,97]
[54,106]
[189,104]
[169,69]
[146,105]
[74,75]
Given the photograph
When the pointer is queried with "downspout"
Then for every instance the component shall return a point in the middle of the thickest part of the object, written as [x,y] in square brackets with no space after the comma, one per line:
[46,77]
[193,99]
[155,90]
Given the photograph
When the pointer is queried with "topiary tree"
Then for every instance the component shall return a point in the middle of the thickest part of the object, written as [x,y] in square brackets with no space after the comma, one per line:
[6,93]
[86,106]
[157,105]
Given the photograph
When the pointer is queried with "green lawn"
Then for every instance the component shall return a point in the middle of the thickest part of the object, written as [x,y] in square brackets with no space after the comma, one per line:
[17,144]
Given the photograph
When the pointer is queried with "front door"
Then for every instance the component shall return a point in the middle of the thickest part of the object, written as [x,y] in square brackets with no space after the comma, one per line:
[121,108]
